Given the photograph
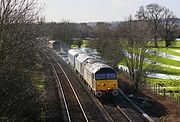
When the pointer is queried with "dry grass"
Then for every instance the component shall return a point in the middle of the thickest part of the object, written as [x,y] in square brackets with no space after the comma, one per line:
[170,118]
[172,107]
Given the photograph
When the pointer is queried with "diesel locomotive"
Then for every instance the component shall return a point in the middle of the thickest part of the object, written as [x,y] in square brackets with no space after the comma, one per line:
[100,77]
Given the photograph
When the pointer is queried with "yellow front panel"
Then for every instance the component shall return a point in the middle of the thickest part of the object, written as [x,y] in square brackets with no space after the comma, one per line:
[104,85]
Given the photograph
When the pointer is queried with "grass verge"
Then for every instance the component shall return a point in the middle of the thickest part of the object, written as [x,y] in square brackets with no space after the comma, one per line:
[165,70]
[164,82]
[166,50]
[163,60]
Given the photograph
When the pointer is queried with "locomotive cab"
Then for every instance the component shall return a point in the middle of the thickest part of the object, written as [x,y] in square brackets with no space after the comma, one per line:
[106,82]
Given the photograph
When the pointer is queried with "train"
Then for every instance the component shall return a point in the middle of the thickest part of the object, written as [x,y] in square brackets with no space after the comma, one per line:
[100,77]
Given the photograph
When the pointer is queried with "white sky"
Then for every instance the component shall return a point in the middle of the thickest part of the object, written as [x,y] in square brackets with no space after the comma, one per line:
[99,10]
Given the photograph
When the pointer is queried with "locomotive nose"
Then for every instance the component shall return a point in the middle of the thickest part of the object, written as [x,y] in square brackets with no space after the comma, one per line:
[103,84]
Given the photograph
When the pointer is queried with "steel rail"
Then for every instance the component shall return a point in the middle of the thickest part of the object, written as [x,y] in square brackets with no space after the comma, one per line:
[105,110]
[61,90]
[118,107]
[125,115]
[139,109]
[85,116]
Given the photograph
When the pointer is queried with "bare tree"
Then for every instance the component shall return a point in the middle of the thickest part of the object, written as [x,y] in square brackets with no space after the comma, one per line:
[19,59]
[169,24]
[162,20]
[106,43]
[178,32]
[64,32]
[135,36]
[84,30]
[153,13]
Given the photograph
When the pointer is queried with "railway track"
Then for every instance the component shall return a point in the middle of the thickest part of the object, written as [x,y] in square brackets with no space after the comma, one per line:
[135,112]
[90,107]
[74,109]
[115,113]
[121,110]
[94,110]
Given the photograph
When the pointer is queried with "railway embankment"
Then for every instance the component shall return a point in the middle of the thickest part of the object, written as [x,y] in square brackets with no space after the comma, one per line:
[158,107]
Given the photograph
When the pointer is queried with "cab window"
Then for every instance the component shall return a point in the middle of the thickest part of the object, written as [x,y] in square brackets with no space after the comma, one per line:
[111,75]
[100,76]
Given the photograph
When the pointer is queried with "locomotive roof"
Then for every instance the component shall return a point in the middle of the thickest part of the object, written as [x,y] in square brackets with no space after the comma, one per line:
[79,50]
[86,50]
[94,65]
[74,52]
[83,56]
[97,66]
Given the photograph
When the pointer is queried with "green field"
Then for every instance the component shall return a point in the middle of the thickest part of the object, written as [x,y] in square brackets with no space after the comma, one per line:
[163,60]
[166,50]
[159,69]
[165,82]
[165,70]
[85,43]
[175,44]
[166,61]
[170,87]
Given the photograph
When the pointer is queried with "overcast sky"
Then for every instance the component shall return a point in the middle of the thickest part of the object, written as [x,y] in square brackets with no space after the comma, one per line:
[99,10]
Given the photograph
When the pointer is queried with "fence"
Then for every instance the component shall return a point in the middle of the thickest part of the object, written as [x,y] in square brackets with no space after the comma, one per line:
[167,92]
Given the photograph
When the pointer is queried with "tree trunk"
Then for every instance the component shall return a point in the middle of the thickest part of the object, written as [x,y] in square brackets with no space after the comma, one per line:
[155,41]
[136,88]
[156,35]
[166,39]
[167,42]
[79,43]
